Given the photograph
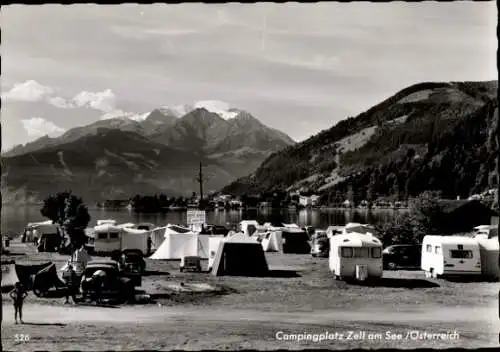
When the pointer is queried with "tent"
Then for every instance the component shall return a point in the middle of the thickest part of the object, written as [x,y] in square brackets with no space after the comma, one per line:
[45,279]
[79,261]
[240,255]
[157,236]
[106,221]
[135,239]
[489,249]
[352,227]
[213,247]
[295,241]
[12,273]
[272,241]
[177,245]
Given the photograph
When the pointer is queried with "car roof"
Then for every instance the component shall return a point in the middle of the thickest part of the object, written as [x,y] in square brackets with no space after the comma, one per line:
[102,261]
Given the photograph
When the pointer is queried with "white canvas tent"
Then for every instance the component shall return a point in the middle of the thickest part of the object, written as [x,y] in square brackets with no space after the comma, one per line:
[134,239]
[489,250]
[78,260]
[177,245]
[272,241]
[213,247]
[106,221]
[354,227]
[9,275]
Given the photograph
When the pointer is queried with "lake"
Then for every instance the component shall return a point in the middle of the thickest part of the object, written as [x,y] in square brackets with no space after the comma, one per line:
[15,218]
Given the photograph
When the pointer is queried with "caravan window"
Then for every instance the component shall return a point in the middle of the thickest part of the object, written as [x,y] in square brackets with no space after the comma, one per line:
[102,236]
[437,250]
[346,252]
[460,254]
[376,252]
[429,248]
[113,235]
[361,252]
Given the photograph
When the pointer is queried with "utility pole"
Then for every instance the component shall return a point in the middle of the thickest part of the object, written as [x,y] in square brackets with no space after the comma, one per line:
[200,181]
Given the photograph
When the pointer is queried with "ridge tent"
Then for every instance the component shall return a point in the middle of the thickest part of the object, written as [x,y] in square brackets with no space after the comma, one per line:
[12,273]
[272,241]
[489,251]
[78,260]
[135,239]
[213,247]
[177,245]
[240,255]
[157,236]
[295,241]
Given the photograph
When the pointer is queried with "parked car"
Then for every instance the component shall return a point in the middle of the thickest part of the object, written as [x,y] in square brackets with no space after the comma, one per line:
[215,230]
[402,256]
[133,261]
[115,284]
[190,263]
[320,244]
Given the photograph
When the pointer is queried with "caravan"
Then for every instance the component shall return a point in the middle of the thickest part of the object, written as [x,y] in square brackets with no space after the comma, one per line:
[450,256]
[355,255]
[106,238]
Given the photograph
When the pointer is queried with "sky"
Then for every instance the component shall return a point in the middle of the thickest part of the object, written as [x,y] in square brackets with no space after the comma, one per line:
[299,68]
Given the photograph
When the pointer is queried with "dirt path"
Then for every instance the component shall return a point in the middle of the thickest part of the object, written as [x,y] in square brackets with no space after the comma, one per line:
[154,327]
[152,314]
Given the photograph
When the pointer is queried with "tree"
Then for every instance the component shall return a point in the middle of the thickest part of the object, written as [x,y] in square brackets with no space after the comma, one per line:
[68,211]
[424,218]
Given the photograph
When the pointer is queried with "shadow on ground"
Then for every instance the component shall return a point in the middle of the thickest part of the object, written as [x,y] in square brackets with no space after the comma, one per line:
[400,283]
[44,324]
[155,273]
[282,273]
[469,279]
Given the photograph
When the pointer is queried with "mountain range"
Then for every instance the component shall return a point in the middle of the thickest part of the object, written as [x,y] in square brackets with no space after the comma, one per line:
[120,157]
[429,136]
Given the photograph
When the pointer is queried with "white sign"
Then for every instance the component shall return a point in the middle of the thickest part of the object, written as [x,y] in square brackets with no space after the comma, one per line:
[196,217]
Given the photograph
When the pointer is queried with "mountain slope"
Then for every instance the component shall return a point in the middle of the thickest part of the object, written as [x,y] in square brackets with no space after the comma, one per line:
[206,132]
[109,164]
[123,124]
[420,138]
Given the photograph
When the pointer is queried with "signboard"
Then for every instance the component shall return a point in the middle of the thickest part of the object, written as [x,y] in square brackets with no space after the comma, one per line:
[196,217]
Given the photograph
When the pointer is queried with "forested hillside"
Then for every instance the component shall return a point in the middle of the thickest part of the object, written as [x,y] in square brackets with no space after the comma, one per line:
[430,136]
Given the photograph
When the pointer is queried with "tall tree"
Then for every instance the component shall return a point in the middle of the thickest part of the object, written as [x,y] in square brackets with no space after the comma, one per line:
[68,211]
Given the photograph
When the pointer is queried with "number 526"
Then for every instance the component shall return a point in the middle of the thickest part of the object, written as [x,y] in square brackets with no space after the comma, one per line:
[21,337]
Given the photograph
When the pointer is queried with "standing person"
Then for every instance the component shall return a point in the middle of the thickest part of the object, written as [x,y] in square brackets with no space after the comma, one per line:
[150,244]
[97,281]
[18,294]
[69,276]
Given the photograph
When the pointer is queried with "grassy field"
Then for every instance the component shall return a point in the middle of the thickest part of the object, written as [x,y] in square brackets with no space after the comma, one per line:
[242,312]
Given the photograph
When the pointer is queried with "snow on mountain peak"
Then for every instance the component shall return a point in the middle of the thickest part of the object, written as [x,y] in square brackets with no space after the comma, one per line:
[218,107]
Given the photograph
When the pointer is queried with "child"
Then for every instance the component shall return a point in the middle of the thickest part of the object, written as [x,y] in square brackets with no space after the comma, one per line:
[18,294]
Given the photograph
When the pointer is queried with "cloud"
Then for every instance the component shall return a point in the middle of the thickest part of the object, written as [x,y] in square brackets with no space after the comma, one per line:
[104,101]
[30,91]
[38,127]
[61,103]
[124,115]
[218,107]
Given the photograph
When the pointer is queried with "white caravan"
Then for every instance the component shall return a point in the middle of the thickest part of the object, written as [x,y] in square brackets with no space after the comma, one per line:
[107,238]
[450,256]
[485,231]
[355,256]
